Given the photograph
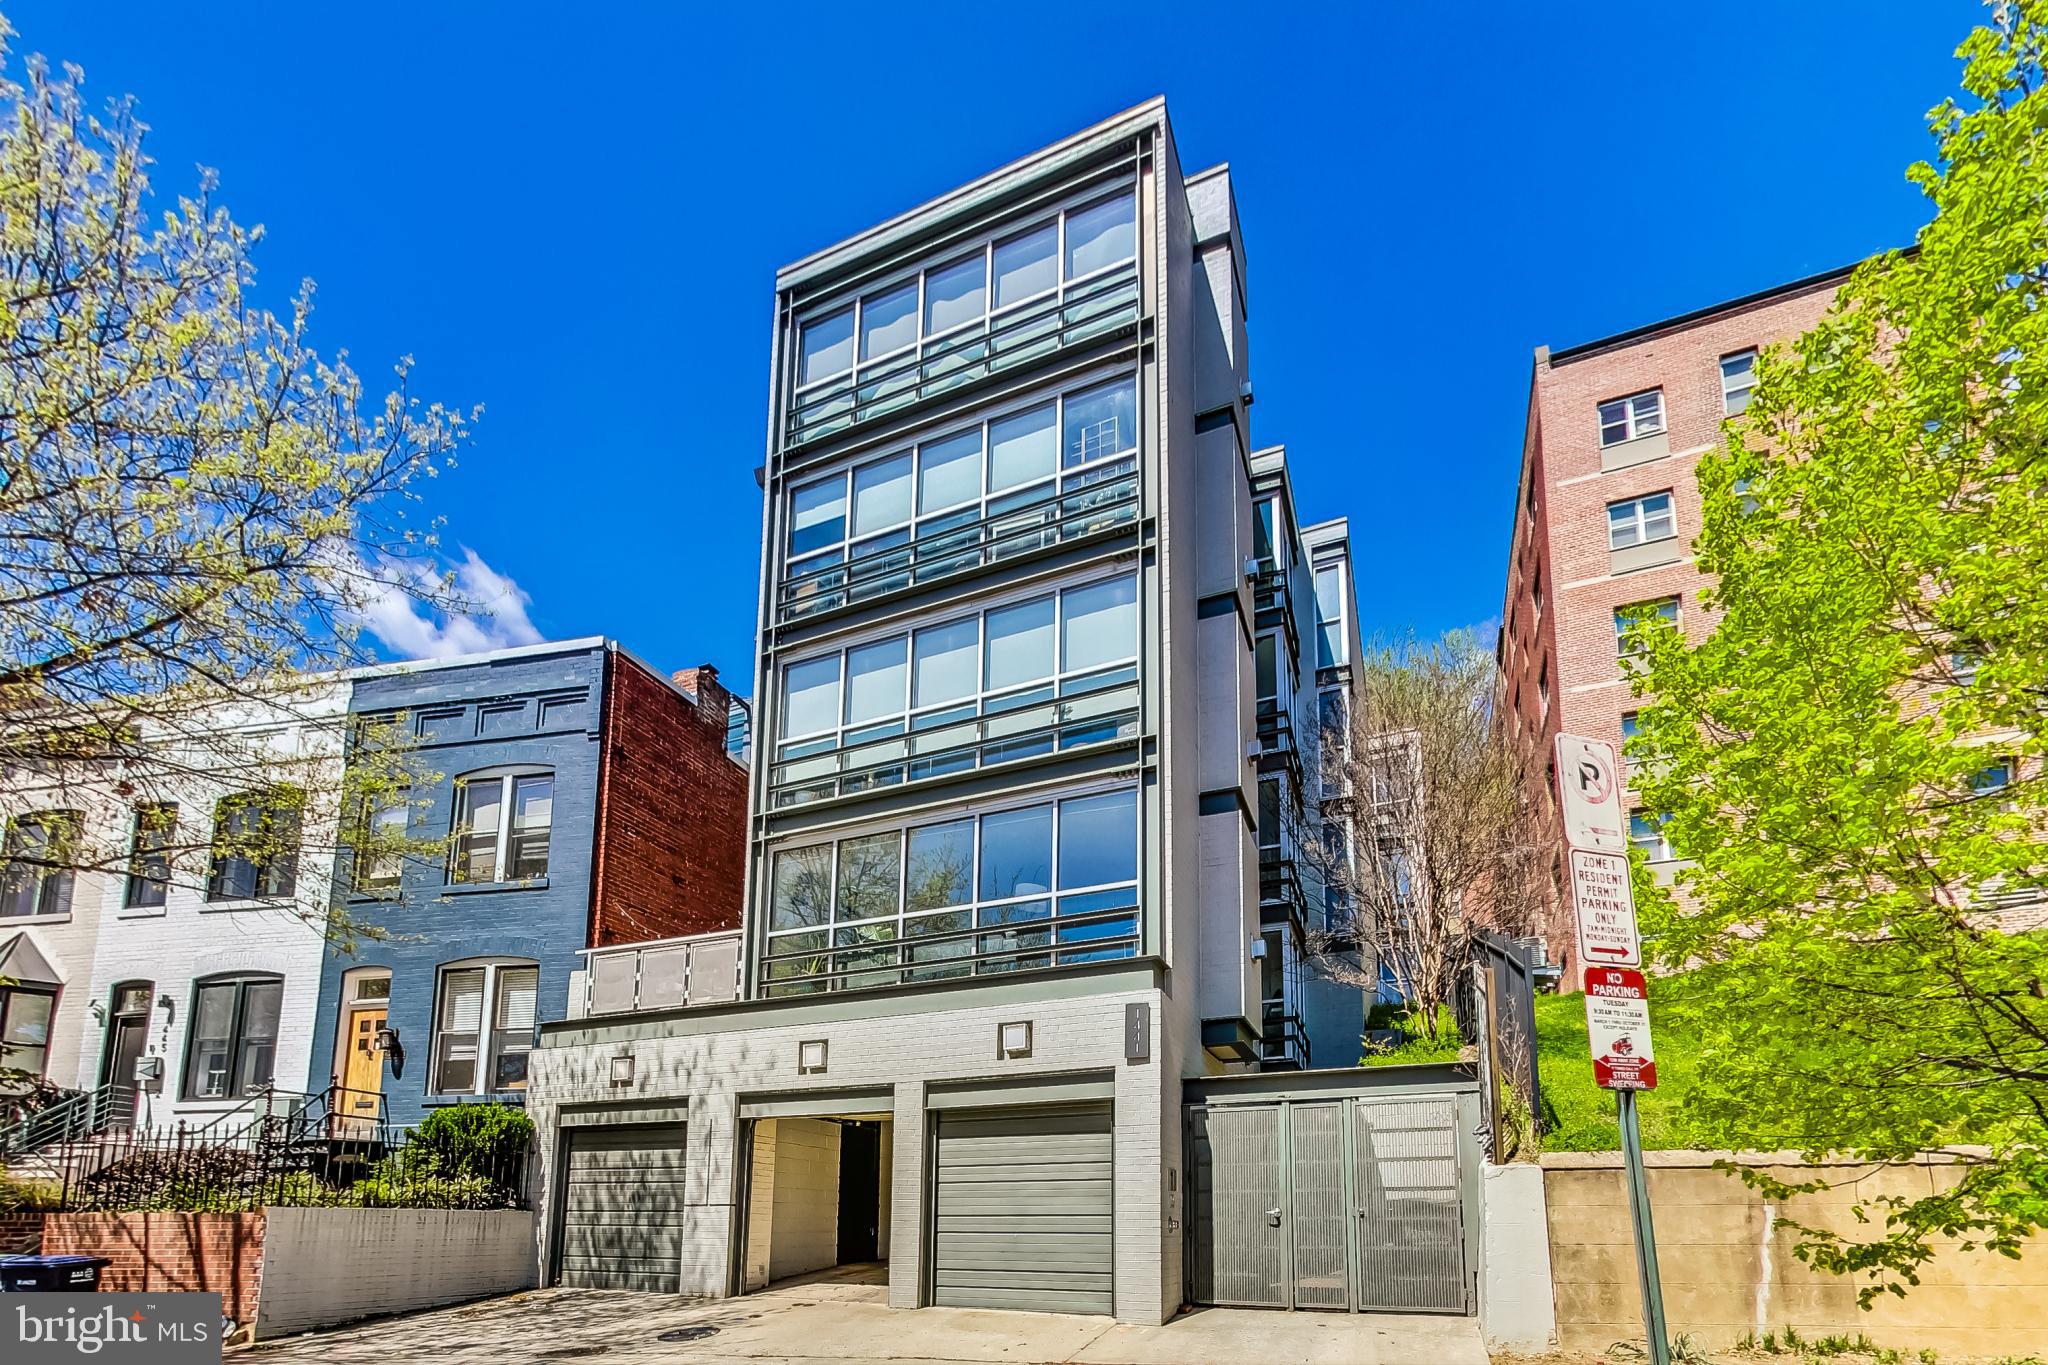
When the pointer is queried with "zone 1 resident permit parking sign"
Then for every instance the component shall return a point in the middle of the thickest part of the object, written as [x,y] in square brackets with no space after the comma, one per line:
[1618,1029]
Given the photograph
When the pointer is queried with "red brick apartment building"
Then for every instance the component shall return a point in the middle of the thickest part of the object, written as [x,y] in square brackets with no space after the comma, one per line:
[1605,515]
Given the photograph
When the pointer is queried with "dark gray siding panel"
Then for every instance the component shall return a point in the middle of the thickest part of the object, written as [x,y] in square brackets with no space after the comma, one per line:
[622,1209]
[1022,1210]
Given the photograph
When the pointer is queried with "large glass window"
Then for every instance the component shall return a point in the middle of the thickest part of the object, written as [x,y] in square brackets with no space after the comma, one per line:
[35,879]
[256,846]
[503,824]
[955,294]
[993,490]
[1027,265]
[149,857]
[1025,887]
[927,331]
[25,1029]
[1102,234]
[231,1051]
[826,348]
[1333,616]
[484,1021]
[944,681]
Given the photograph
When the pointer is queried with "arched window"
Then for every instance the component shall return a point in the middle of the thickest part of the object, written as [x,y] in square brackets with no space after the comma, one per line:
[485,1010]
[231,1046]
[502,821]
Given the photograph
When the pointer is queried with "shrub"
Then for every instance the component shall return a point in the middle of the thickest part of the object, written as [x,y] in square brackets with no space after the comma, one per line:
[485,1141]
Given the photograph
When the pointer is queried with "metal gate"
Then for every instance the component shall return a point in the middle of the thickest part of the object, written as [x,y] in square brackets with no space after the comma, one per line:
[1330,1203]
[1411,1208]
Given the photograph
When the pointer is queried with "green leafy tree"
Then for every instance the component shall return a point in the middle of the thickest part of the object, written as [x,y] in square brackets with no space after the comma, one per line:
[195,511]
[1852,758]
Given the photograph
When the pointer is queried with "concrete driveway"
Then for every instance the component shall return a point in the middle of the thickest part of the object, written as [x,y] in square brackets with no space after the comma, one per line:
[832,1320]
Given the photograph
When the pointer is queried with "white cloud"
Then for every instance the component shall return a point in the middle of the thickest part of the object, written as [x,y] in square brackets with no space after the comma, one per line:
[409,610]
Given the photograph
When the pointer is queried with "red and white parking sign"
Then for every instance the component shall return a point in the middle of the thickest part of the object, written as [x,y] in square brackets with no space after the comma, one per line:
[1618,1029]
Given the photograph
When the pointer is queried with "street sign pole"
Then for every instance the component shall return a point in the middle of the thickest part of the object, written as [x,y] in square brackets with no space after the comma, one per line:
[1617,996]
[1645,1230]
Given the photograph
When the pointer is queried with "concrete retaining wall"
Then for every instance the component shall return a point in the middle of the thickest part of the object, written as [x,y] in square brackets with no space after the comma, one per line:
[1726,1259]
[1517,1311]
[327,1266]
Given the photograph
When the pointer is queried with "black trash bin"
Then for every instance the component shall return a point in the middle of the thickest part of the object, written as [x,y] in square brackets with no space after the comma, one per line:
[50,1274]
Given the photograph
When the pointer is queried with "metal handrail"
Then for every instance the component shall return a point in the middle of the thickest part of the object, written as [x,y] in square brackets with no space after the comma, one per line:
[962,548]
[1050,925]
[938,365]
[77,1114]
[905,754]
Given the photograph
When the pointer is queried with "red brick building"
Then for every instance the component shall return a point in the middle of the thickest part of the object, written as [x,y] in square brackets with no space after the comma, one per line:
[1605,515]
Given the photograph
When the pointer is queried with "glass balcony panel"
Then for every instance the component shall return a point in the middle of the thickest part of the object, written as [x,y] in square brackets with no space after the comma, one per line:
[1009,949]
[949,957]
[1103,932]
[859,936]
[1021,713]
[796,963]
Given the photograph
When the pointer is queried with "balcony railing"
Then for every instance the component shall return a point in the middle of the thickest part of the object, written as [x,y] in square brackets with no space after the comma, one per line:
[1282,1041]
[1280,887]
[1014,531]
[1082,313]
[1011,943]
[663,974]
[1268,587]
[1104,713]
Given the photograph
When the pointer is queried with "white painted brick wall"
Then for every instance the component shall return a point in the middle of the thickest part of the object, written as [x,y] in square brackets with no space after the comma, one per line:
[805,1236]
[103,944]
[710,1072]
[327,1266]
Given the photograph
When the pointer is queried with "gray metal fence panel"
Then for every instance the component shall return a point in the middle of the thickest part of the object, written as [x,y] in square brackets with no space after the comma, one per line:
[1321,1207]
[1239,1189]
[1411,1237]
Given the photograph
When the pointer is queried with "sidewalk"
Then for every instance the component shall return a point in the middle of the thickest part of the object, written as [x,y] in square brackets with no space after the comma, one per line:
[828,1320]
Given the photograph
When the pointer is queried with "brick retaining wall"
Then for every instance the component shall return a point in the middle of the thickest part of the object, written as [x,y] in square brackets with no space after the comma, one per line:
[203,1252]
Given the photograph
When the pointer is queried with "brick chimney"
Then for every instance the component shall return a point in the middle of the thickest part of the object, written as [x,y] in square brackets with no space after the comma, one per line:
[714,703]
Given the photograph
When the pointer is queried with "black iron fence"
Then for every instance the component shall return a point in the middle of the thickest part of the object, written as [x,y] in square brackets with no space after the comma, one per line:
[378,1168]
[298,1151]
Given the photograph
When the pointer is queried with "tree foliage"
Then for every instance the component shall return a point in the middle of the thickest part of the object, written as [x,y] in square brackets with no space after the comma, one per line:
[195,508]
[1852,759]
[1441,840]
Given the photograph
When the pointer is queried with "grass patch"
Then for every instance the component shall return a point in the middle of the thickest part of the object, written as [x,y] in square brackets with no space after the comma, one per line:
[1580,1116]
[1420,1048]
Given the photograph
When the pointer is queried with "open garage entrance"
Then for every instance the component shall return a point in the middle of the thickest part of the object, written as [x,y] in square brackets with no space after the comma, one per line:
[817,1192]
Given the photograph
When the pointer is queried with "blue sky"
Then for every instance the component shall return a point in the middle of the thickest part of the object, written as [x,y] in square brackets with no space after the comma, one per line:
[573,214]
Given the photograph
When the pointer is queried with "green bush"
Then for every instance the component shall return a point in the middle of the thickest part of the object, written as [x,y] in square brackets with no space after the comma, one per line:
[485,1141]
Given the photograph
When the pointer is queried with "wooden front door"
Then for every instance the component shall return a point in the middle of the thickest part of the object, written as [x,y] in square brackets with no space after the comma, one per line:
[362,1078]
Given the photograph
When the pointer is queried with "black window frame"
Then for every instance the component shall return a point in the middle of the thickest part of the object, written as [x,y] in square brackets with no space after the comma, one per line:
[237,1037]
[148,884]
[275,879]
[52,881]
[9,1051]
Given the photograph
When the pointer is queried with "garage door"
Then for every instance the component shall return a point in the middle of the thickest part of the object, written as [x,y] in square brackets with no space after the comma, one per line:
[1022,1210]
[622,1209]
